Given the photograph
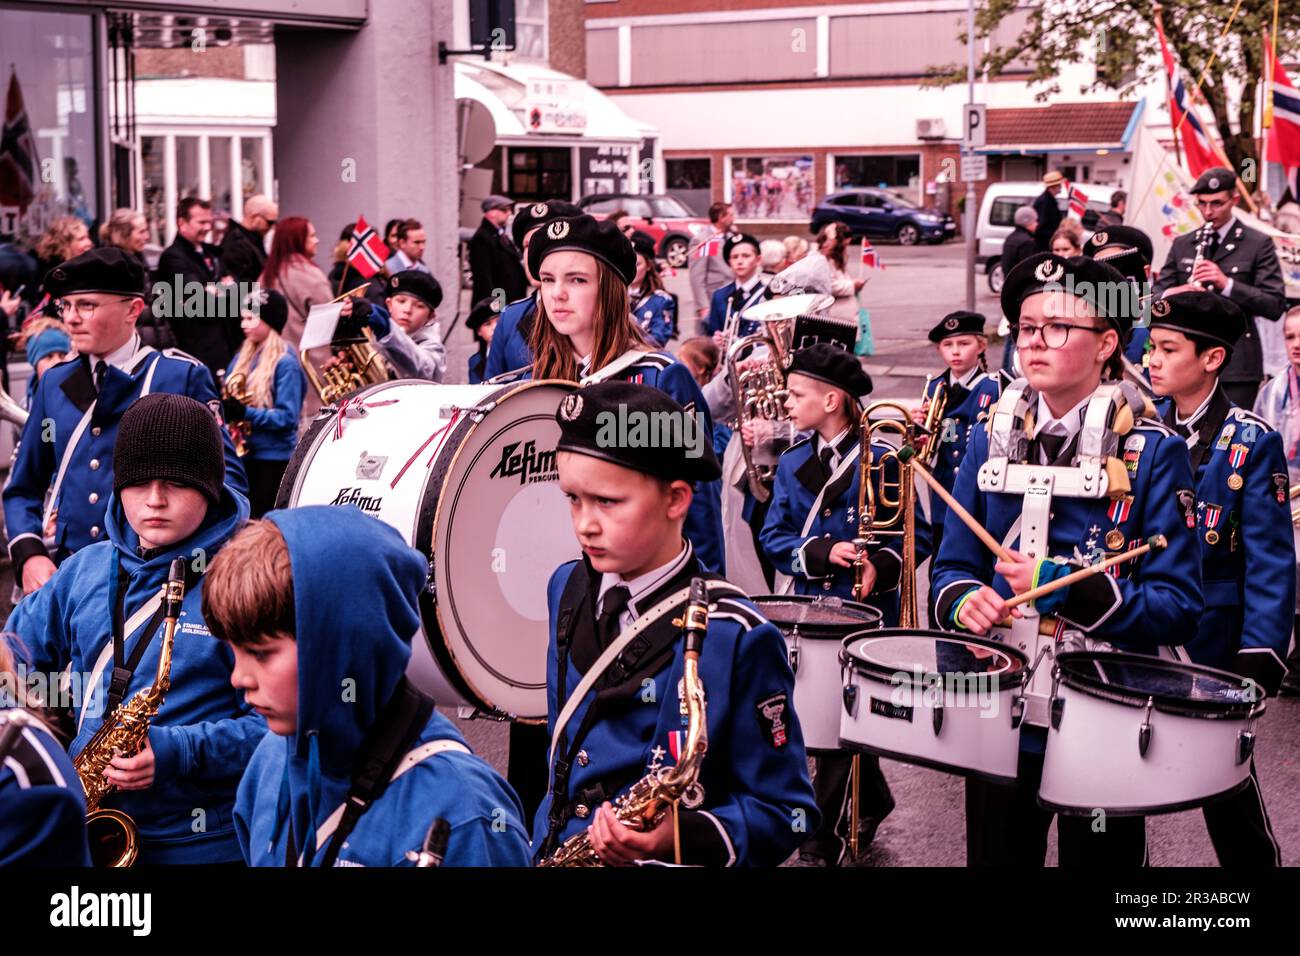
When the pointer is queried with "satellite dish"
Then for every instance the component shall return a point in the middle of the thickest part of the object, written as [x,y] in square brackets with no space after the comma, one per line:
[477,132]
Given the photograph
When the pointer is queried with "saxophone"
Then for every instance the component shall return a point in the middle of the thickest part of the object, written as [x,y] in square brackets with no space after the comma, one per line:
[114,839]
[658,792]
[236,387]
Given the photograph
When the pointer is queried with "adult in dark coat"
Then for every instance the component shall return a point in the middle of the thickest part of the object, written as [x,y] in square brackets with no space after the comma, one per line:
[1049,213]
[187,266]
[494,260]
[243,248]
[1022,242]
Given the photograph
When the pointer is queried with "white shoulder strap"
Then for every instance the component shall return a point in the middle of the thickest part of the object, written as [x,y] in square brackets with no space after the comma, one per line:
[624,361]
[133,623]
[53,501]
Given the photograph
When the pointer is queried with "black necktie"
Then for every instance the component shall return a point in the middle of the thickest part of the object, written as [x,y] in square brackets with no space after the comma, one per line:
[1183,430]
[1051,446]
[101,370]
[611,609]
[1212,246]
[827,454]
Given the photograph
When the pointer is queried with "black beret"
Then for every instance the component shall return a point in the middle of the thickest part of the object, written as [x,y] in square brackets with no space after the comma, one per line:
[1206,315]
[599,238]
[1123,248]
[960,322]
[485,309]
[1106,289]
[1214,180]
[738,239]
[270,306]
[833,365]
[417,283]
[639,427]
[538,214]
[109,269]
[643,245]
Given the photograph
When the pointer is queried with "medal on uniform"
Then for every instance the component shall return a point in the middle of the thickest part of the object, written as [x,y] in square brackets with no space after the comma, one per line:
[1212,515]
[1235,481]
[1225,437]
[1237,457]
[1114,539]
[1118,513]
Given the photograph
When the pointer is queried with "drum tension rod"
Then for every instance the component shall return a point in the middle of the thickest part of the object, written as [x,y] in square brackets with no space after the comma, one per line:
[1144,732]
[851,699]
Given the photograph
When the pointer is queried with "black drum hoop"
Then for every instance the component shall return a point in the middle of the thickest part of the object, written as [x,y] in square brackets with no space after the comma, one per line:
[869,617]
[1008,679]
[1179,807]
[1085,681]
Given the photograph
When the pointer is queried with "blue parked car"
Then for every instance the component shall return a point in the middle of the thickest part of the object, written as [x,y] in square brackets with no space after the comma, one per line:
[881,214]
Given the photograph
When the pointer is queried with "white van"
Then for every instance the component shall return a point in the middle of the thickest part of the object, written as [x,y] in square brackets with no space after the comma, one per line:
[997,219]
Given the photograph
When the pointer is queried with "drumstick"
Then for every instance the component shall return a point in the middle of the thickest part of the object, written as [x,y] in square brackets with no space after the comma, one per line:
[955,506]
[1155,543]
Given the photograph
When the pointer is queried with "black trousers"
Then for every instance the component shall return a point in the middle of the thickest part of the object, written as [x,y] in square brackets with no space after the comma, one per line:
[1005,826]
[756,519]
[263,483]
[832,787]
[1239,828]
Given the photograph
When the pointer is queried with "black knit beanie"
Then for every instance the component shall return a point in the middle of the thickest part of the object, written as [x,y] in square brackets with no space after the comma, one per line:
[173,438]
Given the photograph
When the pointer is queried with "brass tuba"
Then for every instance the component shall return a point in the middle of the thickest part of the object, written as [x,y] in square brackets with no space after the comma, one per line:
[657,793]
[114,839]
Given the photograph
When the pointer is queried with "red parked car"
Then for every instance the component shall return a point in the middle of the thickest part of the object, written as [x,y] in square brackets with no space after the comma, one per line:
[673,225]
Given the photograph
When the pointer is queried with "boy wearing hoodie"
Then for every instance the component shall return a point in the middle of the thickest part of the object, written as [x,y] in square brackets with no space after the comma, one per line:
[168,501]
[358,765]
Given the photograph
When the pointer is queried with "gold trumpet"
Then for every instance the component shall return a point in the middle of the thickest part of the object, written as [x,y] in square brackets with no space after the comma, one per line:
[114,838]
[930,427]
[236,387]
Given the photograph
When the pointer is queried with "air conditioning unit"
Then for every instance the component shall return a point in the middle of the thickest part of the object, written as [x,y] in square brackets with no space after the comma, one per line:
[931,128]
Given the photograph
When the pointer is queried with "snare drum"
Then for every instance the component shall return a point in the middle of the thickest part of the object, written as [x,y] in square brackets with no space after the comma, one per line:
[467,474]
[1137,735]
[935,699]
[814,630]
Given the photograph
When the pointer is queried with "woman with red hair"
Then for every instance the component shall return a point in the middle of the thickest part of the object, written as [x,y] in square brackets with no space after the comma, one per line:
[290,270]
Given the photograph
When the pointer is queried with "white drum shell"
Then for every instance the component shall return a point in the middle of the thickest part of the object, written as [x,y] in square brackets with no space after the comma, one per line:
[817,688]
[1093,761]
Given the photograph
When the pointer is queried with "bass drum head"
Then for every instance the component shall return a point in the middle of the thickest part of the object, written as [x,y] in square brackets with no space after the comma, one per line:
[816,618]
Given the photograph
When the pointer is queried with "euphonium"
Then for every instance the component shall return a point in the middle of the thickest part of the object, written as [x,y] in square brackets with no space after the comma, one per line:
[114,840]
[351,368]
[235,387]
[897,497]
[758,386]
[654,795]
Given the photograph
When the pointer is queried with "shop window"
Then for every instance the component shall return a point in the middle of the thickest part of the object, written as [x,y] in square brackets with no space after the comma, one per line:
[772,187]
[541,173]
[899,173]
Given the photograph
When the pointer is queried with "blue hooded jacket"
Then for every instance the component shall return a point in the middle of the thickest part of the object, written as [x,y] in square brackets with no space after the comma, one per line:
[275,429]
[203,734]
[353,647]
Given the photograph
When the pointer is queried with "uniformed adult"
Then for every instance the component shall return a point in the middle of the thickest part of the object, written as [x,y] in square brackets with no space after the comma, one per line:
[62,475]
[1237,262]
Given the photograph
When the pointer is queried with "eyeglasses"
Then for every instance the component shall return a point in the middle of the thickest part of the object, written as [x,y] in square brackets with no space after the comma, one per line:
[1212,203]
[85,308]
[1054,334]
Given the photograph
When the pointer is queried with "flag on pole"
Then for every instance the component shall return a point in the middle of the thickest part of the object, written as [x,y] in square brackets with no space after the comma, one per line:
[1076,199]
[1182,114]
[709,247]
[870,259]
[368,251]
[17,151]
[1281,117]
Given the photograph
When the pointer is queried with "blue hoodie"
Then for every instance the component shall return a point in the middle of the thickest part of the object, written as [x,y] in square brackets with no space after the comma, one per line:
[275,429]
[203,734]
[353,646]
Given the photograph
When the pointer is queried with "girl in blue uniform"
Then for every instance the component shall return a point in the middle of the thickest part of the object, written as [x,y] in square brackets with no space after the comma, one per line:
[654,310]
[274,384]
[969,393]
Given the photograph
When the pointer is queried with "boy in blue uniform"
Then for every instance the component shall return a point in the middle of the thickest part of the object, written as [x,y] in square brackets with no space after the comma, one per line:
[617,715]
[67,444]
[1243,522]
[1068,341]
[358,764]
[970,392]
[740,251]
[809,534]
[100,615]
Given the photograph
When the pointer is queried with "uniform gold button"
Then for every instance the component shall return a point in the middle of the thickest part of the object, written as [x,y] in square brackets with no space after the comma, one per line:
[583,759]
[582,811]
[94,532]
[94,497]
[96,431]
[94,464]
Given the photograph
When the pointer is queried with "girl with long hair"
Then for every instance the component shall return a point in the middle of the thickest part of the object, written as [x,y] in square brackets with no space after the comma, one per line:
[653,308]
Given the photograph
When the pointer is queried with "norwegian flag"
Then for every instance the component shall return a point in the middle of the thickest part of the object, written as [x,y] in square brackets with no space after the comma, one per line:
[1076,199]
[17,151]
[1196,143]
[368,251]
[1119,509]
[870,258]
[711,246]
[1281,119]
[676,739]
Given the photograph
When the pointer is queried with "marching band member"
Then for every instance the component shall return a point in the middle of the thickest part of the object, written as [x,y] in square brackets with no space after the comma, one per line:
[1068,343]
[654,310]
[740,252]
[347,777]
[44,818]
[510,350]
[274,384]
[1243,521]
[969,393]
[482,324]
[628,503]
[66,450]
[168,501]
[1128,250]
[406,334]
[583,267]
[809,536]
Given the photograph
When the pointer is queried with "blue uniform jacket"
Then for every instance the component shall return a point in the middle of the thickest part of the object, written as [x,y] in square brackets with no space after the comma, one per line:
[1151,601]
[509,349]
[204,732]
[44,818]
[353,648]
[62,397]
[718,308]
[656,314]
[1246,545]
[799,478]
[758,802]
[965,408]
[275,430]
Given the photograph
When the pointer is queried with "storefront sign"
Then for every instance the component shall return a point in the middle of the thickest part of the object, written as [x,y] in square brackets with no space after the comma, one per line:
[554,106]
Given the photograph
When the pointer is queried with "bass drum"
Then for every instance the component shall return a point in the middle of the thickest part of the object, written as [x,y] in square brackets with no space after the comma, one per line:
[467,474]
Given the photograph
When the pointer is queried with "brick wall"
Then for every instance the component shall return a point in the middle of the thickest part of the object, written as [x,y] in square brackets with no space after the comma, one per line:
[566,36]
[213,61]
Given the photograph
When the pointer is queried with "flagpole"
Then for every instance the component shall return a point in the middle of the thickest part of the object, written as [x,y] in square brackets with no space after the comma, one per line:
[1169,90]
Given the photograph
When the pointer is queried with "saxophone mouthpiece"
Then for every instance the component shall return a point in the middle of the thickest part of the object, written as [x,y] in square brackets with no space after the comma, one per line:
[175,588]
[697,616]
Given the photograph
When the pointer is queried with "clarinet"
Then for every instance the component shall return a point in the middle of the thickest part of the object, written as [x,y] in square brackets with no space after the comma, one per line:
[1201,242]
